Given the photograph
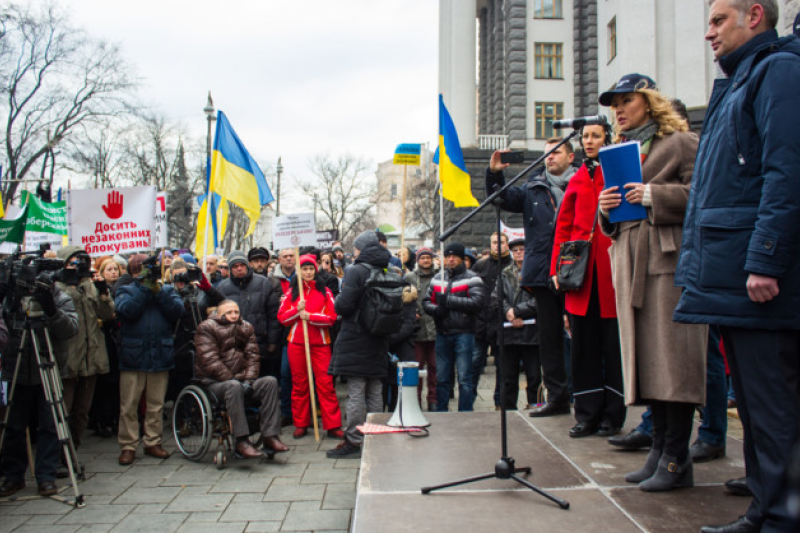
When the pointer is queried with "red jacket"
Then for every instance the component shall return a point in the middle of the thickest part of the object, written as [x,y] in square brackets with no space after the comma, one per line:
[575,223]
[321,311]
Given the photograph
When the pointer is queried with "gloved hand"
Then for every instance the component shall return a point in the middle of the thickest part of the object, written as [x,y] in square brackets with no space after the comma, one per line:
[441,299]
[43,294]
[101,286]
[204,283]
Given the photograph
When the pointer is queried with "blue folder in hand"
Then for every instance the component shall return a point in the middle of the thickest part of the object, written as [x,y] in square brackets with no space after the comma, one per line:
[622,163]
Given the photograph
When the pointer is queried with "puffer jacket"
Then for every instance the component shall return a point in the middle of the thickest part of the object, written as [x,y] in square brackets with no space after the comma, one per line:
[259,303]
[146,327]
[524,305]
[61,326]
[87,349]
[421,280]
[537,200]
[465,299]
[226,350]
[322,316]
[356,352]
[744,207]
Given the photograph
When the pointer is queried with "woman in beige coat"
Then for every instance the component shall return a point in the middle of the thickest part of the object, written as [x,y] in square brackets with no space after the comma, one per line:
[663,361]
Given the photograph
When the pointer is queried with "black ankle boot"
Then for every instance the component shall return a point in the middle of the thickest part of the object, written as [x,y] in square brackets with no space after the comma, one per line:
[647,471]
[670,475]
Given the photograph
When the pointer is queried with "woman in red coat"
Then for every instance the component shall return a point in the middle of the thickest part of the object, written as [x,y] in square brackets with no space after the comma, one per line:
[318,312]
[595,350]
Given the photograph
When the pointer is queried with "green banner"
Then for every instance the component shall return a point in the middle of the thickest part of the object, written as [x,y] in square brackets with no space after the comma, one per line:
[13,230]
[45,217]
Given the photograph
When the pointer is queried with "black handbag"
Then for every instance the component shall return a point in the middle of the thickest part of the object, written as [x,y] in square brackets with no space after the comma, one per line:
[573,260]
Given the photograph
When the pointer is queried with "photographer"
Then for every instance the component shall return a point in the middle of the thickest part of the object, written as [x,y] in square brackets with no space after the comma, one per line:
[189,282]
[147,313]
[87,357]
[29,401]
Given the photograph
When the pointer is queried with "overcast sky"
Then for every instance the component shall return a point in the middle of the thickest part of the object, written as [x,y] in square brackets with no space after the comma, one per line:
[295,78]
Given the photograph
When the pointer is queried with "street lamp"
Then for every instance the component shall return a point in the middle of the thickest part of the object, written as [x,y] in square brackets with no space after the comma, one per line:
[209,111]
[279,169]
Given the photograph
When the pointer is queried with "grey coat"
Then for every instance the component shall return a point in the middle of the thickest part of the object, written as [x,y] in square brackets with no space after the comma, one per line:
[427,327]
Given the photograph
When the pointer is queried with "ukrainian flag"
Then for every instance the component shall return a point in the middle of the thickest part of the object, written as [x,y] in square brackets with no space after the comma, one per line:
[456,183]
[235,176]
[218,224]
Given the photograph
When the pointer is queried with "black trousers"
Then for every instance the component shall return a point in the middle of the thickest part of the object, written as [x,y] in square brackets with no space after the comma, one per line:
[596,366]
[550,319]
[513,356]
[764,368]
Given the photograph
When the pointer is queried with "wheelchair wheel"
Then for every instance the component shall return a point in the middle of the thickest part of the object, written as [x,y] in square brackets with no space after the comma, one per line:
[192,422]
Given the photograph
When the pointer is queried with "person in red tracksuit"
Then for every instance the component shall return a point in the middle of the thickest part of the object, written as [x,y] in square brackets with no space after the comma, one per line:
[318,311]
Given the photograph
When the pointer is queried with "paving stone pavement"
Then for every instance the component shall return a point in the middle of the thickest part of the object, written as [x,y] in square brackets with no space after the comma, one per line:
[298,491]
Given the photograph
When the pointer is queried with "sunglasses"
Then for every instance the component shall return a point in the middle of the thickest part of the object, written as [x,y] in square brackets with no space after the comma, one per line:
[224,267]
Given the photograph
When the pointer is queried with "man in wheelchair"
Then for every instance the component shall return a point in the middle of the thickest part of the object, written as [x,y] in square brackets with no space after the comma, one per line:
[227,363]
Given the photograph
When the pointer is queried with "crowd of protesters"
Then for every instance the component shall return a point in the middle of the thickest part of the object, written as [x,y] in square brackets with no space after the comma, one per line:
[707,277]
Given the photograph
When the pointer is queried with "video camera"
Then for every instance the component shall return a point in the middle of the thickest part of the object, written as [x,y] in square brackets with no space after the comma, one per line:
[153,267]
[192,274]
[19,273]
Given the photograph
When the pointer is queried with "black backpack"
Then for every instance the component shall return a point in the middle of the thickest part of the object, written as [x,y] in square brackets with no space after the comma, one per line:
[381,308]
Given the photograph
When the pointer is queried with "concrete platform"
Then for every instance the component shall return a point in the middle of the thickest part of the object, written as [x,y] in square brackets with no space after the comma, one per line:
[587,472]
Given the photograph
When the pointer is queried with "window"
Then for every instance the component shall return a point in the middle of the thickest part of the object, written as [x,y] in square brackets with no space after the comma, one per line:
[548,60]
[546,113]
[612,39]
[547,9]
[394,191]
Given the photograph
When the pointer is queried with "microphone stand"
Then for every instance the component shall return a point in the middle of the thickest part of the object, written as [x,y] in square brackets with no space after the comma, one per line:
[505,468]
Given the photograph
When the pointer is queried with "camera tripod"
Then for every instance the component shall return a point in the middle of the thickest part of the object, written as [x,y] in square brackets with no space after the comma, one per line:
[33,320]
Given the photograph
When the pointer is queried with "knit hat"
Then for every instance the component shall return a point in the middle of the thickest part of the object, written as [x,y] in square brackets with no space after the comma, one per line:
[454,248]
[121,261]
[365,239]
[469,253]
[337,248]
[258,251]
[425,251]
[189,258]
[309,259]
[236,256]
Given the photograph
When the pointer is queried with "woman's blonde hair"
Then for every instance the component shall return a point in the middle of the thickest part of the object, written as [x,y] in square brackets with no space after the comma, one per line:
[661,111]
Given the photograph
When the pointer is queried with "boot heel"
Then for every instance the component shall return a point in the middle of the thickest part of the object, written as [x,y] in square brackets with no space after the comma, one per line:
[647,471]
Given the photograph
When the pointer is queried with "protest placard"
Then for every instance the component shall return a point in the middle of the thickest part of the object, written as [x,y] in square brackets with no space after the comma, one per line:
[292,231]
[161,235]
[112,221]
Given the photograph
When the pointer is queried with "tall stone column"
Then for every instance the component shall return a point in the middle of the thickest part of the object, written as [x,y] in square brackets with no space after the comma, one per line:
[457,55]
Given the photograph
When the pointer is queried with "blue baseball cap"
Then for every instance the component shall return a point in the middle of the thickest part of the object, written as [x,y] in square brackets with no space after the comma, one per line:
[630,83]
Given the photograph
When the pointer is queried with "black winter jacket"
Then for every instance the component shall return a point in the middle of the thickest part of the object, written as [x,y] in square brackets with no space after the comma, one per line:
[356,352]
[465,299]
[524,306]
[487,269]
[259,302]
[538,206]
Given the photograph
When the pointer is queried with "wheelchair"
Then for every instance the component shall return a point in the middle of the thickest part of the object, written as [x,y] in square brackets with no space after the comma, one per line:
[199,419]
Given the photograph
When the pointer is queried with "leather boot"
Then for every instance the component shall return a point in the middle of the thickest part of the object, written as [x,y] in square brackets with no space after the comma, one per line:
[647,471]
[670,475]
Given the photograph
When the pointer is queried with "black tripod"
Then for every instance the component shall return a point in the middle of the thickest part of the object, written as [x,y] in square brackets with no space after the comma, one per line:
[33,319]
[505,468]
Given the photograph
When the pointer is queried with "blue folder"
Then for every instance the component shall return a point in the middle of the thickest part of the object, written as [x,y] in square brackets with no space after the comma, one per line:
[622,163]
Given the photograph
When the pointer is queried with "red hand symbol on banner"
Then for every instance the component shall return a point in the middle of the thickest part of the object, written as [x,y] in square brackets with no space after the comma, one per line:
[114,208]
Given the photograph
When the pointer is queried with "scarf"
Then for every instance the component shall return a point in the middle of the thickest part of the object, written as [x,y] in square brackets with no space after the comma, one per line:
[562,180]
[643,133]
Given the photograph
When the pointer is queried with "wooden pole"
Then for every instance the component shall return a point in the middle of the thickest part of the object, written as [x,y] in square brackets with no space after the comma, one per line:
[311,385]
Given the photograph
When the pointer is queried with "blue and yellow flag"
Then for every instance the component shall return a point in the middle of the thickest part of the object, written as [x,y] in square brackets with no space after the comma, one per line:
[235,176]
[456,183]
[407,154]
[218,224]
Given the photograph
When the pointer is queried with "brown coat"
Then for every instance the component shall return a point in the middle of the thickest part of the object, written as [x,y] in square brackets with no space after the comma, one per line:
[225,350]
[662,360]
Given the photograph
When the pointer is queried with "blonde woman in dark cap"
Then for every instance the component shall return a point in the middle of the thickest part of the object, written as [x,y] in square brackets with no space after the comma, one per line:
[664,362]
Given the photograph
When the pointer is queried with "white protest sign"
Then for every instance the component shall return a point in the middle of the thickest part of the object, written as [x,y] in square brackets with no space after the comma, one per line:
[512,233]
[293,231]
[160,221]
[112,221]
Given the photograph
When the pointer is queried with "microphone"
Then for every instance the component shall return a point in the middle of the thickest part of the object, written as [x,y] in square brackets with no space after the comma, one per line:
[575,123]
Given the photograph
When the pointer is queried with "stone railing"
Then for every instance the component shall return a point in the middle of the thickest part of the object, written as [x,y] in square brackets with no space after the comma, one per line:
[492,142]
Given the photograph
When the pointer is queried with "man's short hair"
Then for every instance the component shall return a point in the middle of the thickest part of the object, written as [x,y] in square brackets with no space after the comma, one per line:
[381,236]
[555,140]
[502,236]
[771,11]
